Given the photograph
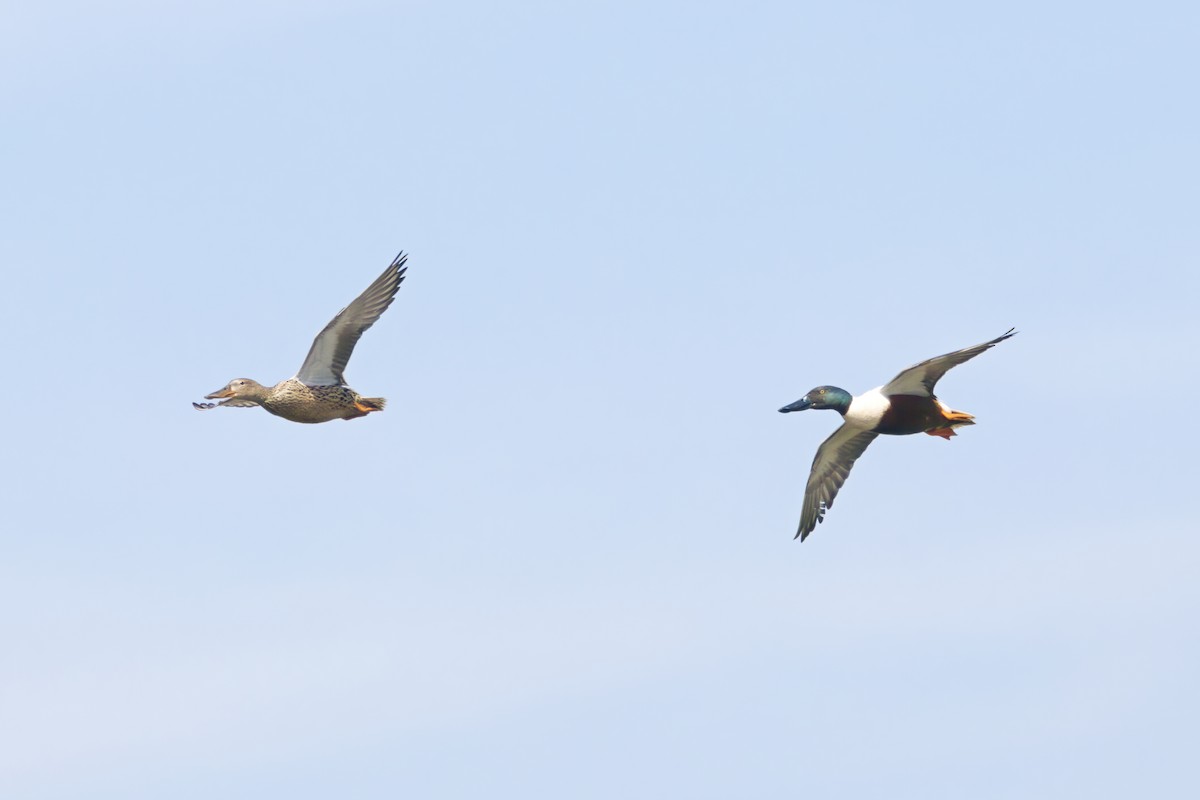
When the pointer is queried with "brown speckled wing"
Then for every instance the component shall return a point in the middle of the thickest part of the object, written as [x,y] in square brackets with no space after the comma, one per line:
[331,349]
[232,403]
[919,379]
[830,468]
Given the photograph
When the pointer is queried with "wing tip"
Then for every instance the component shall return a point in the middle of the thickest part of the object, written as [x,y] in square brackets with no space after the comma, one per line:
[1011,332]
[399,268]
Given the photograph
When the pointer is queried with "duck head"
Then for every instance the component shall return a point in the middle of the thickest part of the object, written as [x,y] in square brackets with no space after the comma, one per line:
[240,388]
[822,397]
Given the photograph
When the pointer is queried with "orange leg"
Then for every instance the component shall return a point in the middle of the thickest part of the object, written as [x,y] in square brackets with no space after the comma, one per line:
[945,433]
[366,409]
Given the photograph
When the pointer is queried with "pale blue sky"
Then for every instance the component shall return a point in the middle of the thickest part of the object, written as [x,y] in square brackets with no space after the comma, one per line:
[560,565]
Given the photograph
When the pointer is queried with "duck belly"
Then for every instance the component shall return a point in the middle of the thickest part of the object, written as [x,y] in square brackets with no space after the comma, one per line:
[907,414]
[312,404]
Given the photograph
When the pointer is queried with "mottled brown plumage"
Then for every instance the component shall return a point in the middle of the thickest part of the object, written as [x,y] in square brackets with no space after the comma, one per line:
[318,392]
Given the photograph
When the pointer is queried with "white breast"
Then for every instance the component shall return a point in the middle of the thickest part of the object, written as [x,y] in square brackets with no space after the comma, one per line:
[867,409]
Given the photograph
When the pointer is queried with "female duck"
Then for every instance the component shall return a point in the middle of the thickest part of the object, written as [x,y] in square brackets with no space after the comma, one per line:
[318,392]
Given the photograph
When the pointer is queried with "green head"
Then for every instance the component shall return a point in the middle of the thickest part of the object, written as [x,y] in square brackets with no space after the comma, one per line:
[822,397]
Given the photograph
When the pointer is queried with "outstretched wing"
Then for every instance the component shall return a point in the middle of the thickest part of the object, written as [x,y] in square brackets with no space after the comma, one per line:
[331,349]
[231,403]
[830,468]
[919,379]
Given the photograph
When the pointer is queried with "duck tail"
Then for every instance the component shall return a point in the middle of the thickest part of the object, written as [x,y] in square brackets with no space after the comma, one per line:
[956,418]
[951,419]
[369,404]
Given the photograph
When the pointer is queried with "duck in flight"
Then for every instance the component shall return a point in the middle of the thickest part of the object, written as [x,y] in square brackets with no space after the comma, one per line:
[318,392]
[904,405]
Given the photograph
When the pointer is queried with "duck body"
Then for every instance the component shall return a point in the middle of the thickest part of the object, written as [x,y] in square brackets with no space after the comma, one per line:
[903,406]
[318,391]
[298,402]
[903,414]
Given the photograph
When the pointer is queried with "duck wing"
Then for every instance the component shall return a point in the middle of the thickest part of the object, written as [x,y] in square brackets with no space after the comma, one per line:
[919,379]
[231,403]
[332,348]
[830,468]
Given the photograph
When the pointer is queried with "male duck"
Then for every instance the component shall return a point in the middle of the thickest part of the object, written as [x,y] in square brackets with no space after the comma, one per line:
[318,392]
[902,406]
